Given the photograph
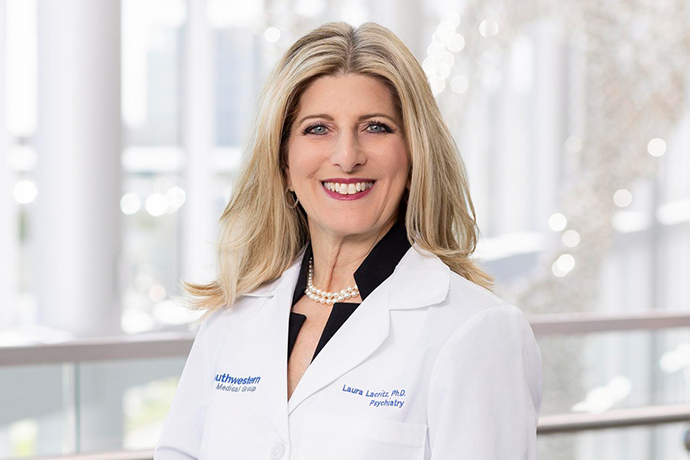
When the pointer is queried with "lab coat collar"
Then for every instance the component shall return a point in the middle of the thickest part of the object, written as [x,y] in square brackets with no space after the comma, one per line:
[269,289]
[378,265]
[420,279]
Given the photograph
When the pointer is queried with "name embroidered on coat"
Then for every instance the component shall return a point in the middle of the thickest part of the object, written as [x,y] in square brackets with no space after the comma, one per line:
[236,384]
[381,398]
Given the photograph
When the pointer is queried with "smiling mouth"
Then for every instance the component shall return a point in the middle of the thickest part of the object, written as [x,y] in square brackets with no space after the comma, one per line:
[348,189]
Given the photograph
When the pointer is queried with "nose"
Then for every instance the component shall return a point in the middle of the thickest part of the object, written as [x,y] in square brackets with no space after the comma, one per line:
[347,152]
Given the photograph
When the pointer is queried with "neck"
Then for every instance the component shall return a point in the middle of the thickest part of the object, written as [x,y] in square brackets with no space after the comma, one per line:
[337,257]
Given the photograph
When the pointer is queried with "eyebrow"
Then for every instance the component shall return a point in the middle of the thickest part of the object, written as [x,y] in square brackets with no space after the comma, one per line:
[363,117]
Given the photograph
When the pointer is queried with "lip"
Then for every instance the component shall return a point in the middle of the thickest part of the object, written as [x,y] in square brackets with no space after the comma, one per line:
[352,180]
[356,196]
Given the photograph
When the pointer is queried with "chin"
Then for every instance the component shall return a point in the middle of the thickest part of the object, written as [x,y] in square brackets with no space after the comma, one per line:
[350,225]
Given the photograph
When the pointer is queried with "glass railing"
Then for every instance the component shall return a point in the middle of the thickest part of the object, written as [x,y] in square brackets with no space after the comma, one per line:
[615,387]
[88,396]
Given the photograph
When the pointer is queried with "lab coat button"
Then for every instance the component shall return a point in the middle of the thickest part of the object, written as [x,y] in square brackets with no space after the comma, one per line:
[277,451]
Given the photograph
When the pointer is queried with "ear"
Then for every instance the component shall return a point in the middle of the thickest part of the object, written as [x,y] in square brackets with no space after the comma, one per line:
[286,173]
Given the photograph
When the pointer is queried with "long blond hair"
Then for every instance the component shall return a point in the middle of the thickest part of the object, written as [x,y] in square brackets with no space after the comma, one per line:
[260,233]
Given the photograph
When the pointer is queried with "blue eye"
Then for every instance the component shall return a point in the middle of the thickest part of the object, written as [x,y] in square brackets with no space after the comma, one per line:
[308,129]
[385,127]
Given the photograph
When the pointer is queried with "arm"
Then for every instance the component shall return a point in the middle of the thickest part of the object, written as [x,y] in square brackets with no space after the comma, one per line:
[183,428]
[485,390]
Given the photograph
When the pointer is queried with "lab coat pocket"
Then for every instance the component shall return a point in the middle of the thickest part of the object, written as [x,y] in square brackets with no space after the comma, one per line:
[338,437]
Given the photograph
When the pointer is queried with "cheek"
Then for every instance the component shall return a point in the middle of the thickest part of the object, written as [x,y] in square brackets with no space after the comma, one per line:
[398,165]
[295,161]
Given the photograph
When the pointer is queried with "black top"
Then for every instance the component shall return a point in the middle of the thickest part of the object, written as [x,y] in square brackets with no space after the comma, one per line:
[373,271]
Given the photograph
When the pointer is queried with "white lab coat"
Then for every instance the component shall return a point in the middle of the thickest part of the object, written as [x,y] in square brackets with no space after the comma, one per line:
[429,366]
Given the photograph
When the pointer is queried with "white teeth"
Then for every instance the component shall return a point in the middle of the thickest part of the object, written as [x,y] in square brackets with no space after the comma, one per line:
[348,189]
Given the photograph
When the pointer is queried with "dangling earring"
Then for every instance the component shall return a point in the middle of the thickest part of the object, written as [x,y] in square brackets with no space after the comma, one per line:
[296,200]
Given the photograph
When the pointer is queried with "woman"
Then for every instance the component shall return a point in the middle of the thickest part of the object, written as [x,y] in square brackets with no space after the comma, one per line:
[348,320]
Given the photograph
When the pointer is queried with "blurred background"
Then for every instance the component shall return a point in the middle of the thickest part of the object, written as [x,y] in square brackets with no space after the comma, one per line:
[122,127]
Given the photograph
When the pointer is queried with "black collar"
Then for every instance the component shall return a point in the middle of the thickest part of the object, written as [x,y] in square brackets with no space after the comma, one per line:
[374,269]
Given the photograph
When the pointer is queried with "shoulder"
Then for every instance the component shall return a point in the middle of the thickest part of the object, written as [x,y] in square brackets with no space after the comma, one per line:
[470,310]
[486,333]
[227,320]
[465,299]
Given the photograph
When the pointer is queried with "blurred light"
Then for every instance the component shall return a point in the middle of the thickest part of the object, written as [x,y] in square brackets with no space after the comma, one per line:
[171,313]
[556,270]
[272,34]
[565,263]
[522,64]
[456,43]
[573,144]
[147,22]
[674,212]
[676,360]
[22,158]
[656,147]
[157,293]
[630,221]
[459,84]
[156,204]
[152,159]
[452,18]
[176,197]
[10,338]
[447,59]
[130,204]
[557,222]
[438,67]
[488,28]
[601,399]
[437,86]
[622,198]
[436,49]
[571,238]
[619,387]
[444,32]
[25,192]
[20,66]
[136,321]
[22,433]
[511,244]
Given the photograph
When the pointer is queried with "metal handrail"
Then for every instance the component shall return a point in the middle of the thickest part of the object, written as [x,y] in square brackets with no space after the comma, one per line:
[117,348]
[621,418]
[549,424]
[586,323]
[177,344]
[115,455]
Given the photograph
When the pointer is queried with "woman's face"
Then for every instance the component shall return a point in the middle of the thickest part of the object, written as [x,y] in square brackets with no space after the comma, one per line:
[347,159]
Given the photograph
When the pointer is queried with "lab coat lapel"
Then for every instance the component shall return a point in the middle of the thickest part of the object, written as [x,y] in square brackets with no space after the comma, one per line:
[269,331]
[419,280]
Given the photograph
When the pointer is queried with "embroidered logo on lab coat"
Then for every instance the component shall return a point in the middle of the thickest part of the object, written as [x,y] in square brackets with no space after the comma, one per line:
[227,382]
[383,398]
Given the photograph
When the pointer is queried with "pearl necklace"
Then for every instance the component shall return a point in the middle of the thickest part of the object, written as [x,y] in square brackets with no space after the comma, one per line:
[328,298]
